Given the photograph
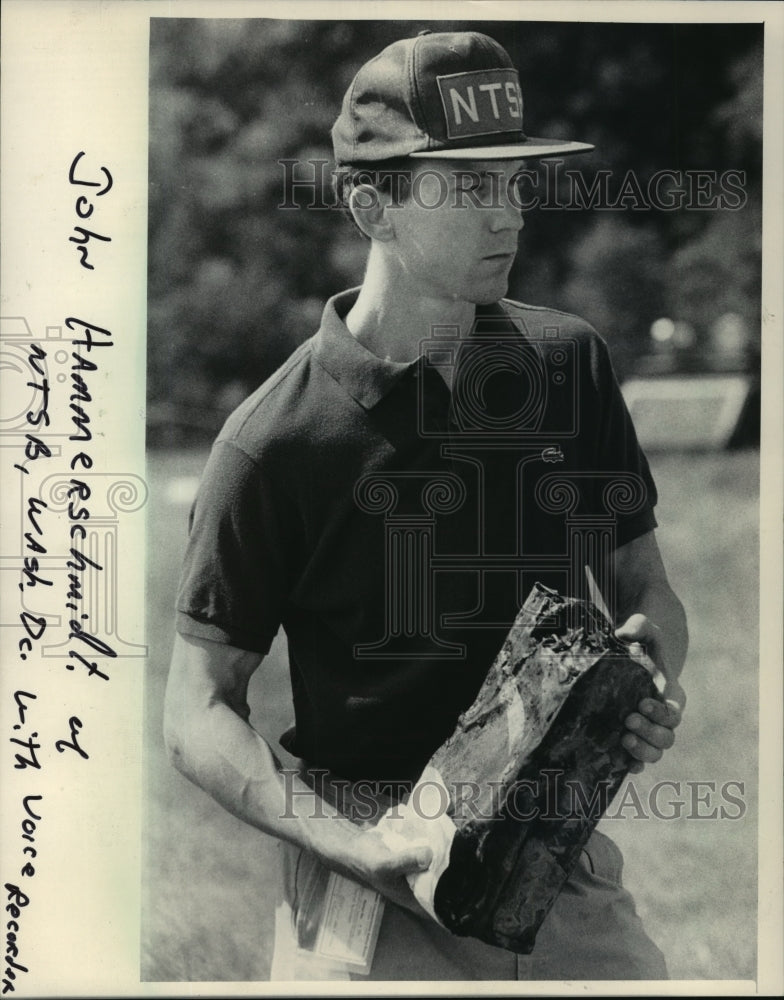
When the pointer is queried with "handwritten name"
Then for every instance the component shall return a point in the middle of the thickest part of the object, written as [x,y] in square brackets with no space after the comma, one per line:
[79,493]
[84,208]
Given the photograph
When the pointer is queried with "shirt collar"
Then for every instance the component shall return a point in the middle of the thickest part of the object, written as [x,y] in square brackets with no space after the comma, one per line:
[366,377]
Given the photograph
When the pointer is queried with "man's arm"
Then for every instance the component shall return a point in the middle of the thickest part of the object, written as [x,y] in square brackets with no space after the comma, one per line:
[651,614]
[209,739]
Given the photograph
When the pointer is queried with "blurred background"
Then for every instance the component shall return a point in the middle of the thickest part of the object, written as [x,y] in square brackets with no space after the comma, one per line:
[235,284]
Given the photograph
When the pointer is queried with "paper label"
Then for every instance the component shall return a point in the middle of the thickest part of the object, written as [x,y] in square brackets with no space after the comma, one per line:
[349,924]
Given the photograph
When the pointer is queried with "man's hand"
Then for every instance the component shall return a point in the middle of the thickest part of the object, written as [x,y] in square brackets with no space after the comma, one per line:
[651,728]
[371,860]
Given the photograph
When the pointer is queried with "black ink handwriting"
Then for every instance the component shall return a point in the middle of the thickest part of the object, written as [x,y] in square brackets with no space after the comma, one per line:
[21,707]
[31,746]
[107,182]
[73,743]
[84,209]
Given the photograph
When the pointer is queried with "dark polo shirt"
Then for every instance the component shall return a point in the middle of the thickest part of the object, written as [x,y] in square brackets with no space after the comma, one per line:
[393,528]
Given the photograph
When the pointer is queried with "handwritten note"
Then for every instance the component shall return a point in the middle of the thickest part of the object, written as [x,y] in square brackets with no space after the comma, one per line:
[61,567]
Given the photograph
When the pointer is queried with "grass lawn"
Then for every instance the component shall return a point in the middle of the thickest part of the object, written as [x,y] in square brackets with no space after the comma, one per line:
[207,908]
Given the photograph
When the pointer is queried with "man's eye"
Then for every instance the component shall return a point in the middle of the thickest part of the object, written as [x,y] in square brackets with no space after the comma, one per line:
[521,184]
[492,183]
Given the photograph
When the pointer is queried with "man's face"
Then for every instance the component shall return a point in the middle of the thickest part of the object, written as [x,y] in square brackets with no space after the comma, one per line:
[456,231]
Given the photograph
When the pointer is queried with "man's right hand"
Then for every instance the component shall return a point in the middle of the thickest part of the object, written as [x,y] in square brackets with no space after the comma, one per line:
[369,859]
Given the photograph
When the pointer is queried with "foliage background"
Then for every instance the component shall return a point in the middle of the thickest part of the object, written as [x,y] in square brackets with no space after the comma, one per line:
[235,284]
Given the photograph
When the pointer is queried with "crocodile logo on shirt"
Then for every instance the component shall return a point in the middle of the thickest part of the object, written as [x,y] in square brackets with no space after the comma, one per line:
[552,454]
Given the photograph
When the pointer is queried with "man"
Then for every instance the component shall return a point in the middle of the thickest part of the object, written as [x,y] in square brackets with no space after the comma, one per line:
[389,497]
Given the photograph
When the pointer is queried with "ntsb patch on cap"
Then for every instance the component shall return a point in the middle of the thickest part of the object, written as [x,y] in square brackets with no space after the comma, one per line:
[448,95]
[481,102]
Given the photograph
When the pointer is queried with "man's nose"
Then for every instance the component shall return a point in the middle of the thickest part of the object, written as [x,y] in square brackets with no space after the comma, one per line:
[507,215]
[510,219]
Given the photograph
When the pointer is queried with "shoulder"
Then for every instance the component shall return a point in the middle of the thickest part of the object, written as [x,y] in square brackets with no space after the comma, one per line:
[277,411]
[549,323]
[552,329]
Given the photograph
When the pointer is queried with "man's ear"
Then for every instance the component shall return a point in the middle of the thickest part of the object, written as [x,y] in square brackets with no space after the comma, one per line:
[369,207]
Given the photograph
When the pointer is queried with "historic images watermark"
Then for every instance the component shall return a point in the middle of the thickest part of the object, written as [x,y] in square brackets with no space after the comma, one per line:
[552,187]
[553,797]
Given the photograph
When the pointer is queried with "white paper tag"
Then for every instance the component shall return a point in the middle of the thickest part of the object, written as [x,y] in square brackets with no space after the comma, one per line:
[349,924]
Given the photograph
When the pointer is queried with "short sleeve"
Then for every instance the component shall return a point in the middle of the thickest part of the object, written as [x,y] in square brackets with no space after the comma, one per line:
[235,576]
[618,451]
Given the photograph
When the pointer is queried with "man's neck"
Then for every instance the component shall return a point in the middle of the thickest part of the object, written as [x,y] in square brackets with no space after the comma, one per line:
[392,319]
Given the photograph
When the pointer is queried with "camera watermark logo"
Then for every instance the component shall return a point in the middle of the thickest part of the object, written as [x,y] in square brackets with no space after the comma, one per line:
[503,382]
[501,461]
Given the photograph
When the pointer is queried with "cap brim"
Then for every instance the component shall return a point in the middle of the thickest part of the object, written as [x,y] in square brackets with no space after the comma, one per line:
[515,151]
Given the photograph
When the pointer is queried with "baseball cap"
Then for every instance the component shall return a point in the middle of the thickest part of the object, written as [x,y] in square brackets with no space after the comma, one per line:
[448,95]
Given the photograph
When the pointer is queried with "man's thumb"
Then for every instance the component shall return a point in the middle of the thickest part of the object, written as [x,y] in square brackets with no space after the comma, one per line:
[637,628]
[410,855]
[420,859]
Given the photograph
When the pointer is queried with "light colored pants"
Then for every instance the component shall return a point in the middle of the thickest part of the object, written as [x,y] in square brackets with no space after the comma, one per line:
[592,932]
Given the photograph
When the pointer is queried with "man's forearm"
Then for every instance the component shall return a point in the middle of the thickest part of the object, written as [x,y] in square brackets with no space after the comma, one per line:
[225,756]
[210,741]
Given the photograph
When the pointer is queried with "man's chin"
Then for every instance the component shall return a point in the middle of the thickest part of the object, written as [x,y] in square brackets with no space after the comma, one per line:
[488,297]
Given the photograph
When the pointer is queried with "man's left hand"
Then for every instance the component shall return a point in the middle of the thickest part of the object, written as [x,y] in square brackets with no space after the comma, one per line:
[651,728]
